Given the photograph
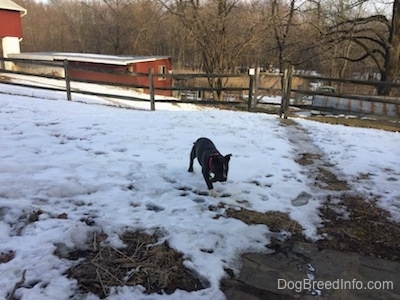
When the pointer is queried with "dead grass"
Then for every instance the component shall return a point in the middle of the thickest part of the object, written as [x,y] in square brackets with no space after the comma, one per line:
[156,267]
[276,221]
[388,124]
[328,181]
[366,229]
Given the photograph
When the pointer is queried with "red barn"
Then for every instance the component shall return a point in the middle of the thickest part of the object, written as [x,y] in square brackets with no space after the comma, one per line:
[85,66]
[10,26]
[10,19]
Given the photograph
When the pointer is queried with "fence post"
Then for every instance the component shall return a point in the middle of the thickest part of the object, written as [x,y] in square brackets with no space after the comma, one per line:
[289,89]
[251,86]
[286,89]
[151,89]
[256,86]
[67,79]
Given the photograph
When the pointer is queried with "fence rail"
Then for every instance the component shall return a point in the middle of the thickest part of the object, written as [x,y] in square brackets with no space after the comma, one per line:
[367,102]
[243,91]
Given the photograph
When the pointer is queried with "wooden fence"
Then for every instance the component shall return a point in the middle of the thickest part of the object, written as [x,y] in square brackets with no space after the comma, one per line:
[339,95]
[242,91]
[61,71]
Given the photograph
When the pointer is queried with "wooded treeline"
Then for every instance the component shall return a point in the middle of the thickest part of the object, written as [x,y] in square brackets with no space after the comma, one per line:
[333,37]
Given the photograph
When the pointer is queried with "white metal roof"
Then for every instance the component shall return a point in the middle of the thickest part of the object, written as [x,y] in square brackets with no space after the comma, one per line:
[86,57]
[9,5]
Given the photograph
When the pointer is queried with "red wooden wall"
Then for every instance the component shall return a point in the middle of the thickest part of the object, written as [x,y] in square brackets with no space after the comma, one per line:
[77,71]
[10,23]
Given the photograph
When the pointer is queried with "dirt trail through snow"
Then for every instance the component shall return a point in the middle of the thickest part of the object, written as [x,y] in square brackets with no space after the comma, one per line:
[358,242]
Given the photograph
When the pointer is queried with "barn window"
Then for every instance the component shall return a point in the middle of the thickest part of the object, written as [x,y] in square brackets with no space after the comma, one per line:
[162,70]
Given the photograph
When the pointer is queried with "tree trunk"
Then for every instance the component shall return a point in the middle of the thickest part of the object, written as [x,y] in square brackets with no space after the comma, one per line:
[392,59]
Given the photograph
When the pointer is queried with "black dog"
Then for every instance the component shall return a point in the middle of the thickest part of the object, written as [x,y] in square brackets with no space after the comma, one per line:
[214,165]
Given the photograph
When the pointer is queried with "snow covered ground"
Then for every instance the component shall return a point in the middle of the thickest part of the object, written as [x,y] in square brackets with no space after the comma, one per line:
[117,165]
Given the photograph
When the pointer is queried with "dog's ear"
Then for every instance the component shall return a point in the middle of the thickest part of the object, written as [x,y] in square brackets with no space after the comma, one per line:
[227,157]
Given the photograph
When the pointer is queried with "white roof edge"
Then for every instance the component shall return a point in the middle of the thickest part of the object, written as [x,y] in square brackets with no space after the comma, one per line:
[87,57]
[10,5]
[29,55]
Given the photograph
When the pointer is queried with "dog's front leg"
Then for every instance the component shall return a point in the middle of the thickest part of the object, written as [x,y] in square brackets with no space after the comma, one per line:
[213,193]
[206,176]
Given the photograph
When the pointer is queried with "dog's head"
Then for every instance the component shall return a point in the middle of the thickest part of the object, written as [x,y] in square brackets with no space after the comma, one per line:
[219,167]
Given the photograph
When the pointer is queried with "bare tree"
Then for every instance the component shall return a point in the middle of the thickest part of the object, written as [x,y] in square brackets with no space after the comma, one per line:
[147,28]
[78,23]
[44,28]
[282,23]
[110,18]
[391,67]
[373,37]
[218,35]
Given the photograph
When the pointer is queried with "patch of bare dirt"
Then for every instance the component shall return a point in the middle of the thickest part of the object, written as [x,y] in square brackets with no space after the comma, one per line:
[276,221]
[329,181]
[306,159]
[5,257]
[354,224]
[156,267]
[324,178]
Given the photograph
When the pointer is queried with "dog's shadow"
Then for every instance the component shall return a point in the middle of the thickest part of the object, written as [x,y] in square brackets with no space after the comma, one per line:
[186,191]
[181,183]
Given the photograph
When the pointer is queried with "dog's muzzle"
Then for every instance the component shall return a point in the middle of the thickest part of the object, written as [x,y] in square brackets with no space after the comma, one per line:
[218,177]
